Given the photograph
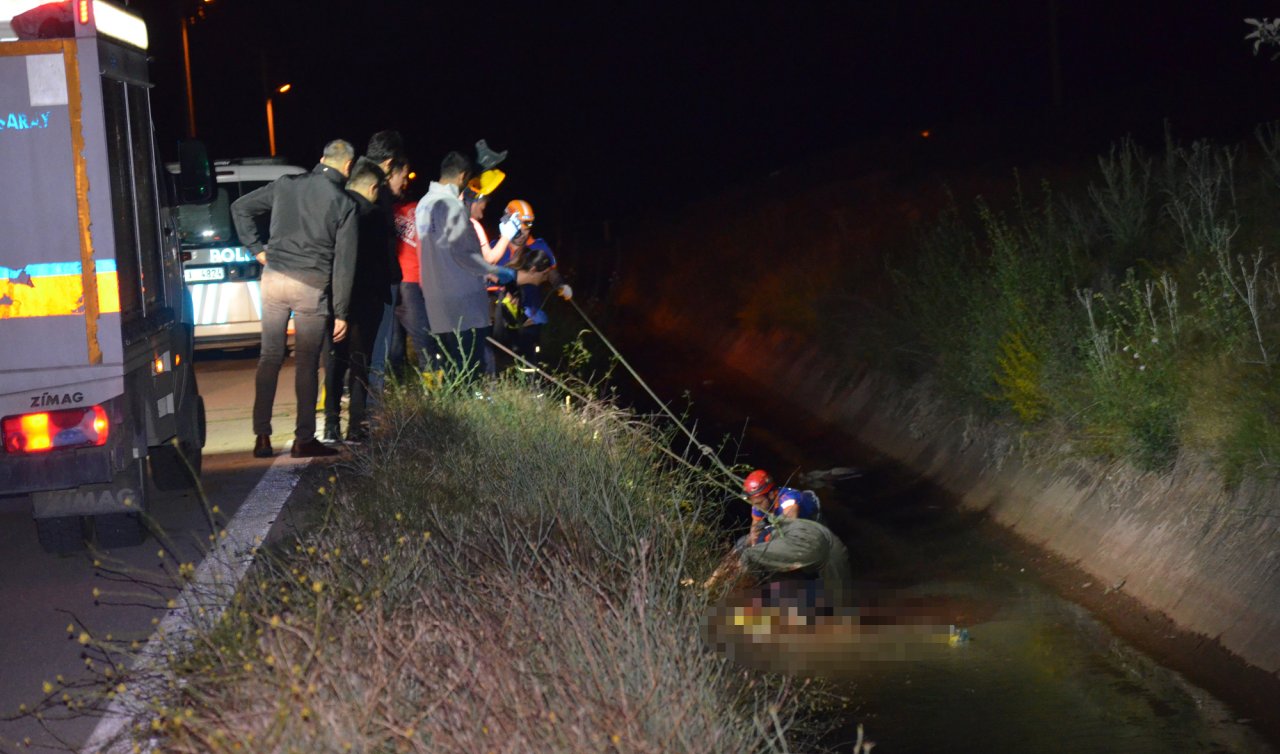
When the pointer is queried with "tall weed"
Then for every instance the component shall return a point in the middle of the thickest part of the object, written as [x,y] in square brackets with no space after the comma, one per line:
[1123,201]
[1200,194]
[1268,138]
[1131,372]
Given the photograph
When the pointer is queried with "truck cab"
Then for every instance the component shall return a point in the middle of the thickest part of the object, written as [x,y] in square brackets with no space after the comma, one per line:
[98,396]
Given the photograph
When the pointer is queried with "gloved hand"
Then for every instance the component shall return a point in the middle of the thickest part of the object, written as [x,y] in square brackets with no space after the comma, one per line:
[566,292]
[510,226]
[504,275]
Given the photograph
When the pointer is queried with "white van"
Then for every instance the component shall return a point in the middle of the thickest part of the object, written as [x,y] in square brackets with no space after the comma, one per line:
[221,273]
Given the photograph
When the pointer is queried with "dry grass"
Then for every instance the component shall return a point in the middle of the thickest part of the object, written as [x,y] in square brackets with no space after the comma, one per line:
[501,574]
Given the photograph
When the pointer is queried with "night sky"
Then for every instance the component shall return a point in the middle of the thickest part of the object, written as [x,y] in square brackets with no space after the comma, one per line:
[617,109]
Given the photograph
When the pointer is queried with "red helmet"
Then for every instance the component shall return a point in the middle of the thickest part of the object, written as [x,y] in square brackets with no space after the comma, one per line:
[758,482]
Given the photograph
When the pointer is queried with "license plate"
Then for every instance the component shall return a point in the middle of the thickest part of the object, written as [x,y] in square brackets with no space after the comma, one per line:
[203,274]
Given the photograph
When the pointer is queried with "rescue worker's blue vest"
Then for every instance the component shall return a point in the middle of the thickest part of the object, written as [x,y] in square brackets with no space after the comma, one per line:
[809,507]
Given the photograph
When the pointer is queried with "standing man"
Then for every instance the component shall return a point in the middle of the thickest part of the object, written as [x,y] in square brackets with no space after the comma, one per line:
[386,148]
[310,257]
[372,292]
[453,271]
[411,309]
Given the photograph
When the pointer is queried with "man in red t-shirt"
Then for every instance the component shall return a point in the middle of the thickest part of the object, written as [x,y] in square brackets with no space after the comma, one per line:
[411,311]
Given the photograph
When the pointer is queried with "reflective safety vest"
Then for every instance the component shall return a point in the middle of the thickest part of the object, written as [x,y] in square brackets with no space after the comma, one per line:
[806,501]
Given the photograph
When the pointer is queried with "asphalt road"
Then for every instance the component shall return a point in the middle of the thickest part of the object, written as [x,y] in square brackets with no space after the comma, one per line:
[41,594]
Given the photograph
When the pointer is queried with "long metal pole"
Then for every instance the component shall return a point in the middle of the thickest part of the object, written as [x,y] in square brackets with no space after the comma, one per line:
[191,97]
[271,127]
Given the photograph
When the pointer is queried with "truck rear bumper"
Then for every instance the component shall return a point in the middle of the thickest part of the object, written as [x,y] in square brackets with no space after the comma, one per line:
[20,475]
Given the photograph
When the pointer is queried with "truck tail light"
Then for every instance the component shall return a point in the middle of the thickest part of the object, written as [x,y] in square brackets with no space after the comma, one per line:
[50,430]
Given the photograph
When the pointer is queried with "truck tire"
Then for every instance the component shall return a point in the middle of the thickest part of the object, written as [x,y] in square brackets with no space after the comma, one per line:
[61,535]
[112,530]
[177,467]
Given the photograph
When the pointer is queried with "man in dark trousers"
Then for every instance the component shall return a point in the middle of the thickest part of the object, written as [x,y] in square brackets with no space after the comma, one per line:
[310,258]
[371,286]
[386,148]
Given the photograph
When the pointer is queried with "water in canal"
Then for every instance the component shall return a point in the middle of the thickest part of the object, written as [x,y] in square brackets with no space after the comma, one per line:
[1035,673]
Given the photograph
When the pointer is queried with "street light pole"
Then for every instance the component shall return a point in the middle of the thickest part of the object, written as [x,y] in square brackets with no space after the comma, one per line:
[271,128]
[271,118]
[186,62]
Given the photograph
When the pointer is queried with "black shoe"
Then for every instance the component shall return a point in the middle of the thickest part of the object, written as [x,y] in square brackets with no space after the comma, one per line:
[332,433]
[358,432]
[262,447]
[312,448]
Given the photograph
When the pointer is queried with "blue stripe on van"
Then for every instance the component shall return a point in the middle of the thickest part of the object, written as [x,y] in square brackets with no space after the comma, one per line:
[51,269]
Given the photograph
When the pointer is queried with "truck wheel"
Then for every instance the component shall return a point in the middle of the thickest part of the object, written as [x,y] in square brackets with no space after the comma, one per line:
[169,467]
[202,432]
[169,464]
[112,530]
[61,535]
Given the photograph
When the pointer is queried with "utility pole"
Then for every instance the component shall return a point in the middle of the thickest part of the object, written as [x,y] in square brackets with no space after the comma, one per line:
[186,64]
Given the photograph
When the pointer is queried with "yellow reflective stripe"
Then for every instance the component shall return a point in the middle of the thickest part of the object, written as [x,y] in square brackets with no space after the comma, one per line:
[56,296]
[108,292]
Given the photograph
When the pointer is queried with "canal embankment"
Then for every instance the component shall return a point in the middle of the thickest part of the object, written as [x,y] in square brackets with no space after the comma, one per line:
[1179,563]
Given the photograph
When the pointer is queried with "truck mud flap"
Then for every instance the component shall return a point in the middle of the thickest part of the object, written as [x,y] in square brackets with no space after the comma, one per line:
[124,494]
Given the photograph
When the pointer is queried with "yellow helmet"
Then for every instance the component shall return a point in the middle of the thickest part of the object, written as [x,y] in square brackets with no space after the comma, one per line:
[486,183]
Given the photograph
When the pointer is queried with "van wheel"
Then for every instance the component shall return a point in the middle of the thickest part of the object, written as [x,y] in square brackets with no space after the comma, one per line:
[113,530]
[177,467]
[61,535]
[169,466]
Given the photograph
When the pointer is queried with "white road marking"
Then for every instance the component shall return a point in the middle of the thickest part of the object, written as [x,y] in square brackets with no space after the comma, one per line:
[210,590]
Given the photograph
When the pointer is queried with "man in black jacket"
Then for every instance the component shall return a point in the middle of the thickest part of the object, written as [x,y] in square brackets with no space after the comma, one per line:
[310,258]
[371,293]
[386,148]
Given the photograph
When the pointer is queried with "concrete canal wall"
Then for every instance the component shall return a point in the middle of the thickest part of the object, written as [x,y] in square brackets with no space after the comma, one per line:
[1178,542]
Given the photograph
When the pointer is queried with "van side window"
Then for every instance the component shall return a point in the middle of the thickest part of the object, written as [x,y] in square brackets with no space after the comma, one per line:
[150,249]
[134,209]
[115,110]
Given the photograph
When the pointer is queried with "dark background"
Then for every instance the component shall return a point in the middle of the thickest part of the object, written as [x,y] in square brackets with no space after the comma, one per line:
[611,111]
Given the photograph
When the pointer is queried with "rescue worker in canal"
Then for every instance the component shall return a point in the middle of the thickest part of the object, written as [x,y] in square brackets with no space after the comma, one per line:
[768,498]
[773,508]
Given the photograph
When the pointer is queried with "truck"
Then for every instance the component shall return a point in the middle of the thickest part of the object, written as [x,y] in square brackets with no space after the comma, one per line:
[98,397]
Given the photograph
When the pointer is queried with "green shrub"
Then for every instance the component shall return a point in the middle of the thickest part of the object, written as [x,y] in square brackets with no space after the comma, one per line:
[1019,311]
[1131,371]
[1019,377]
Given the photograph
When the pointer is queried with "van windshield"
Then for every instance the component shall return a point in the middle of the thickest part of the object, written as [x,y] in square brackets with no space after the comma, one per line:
[210,225]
